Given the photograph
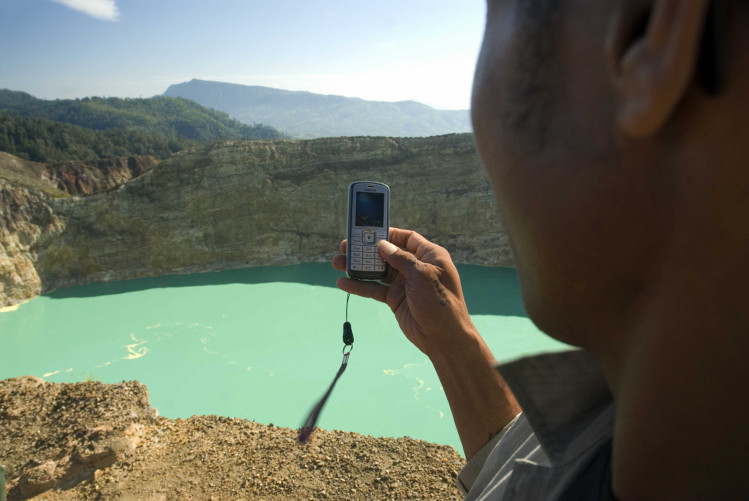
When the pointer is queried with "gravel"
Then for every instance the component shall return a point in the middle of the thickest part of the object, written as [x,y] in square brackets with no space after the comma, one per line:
[95,441]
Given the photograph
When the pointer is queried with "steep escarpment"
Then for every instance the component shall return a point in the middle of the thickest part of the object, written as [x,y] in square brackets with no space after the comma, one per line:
[25,219]
[246,203]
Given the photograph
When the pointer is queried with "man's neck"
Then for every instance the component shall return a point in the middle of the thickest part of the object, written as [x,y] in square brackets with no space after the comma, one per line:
[680,379]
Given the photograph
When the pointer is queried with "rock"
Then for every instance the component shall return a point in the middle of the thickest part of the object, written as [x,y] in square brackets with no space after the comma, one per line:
[123,445]
[67,442]
[89,177]
[38,479]
[25,218]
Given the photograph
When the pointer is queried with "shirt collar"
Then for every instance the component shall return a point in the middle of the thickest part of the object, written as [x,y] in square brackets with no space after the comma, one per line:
[562,394]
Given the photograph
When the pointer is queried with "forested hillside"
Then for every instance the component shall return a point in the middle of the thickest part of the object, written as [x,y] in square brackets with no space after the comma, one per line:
[43,140]
[90,128]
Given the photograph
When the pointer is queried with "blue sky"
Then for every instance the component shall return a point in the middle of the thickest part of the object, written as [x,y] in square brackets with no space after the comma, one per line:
[387,50]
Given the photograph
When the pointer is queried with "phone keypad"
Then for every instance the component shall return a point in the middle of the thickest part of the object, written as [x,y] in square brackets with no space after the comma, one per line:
[364,255]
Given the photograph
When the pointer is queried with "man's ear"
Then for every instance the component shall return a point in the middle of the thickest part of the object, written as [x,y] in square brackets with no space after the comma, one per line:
[652,51]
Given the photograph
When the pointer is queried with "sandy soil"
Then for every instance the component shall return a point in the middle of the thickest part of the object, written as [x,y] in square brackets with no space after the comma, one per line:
[94,441]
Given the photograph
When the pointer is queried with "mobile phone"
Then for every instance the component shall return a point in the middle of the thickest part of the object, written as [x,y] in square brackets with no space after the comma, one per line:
[368,223]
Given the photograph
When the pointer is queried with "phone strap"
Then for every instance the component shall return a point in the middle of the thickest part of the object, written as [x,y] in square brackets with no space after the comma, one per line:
[348,344]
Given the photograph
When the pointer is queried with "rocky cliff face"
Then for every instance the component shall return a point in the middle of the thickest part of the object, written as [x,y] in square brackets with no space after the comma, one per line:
[25,219]
[75,177]
[238,204]
[87,178]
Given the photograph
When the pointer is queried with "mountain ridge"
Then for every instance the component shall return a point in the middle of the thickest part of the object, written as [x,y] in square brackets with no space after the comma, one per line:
[307,115]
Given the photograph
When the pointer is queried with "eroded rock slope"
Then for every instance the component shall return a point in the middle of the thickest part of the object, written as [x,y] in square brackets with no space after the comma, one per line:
[245,203]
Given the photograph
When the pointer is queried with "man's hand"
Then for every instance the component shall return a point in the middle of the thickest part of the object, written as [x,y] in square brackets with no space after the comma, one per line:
[422,288]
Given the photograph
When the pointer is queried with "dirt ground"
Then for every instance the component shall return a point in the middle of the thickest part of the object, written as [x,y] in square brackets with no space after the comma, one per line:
[95,441]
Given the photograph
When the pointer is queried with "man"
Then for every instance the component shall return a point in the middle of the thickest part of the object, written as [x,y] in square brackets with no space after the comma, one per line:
[615,137]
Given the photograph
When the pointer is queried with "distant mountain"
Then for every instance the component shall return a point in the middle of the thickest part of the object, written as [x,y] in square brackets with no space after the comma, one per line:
[168,117]
[306,115]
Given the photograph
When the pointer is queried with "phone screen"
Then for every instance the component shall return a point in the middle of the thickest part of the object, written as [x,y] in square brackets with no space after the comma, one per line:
[370,209]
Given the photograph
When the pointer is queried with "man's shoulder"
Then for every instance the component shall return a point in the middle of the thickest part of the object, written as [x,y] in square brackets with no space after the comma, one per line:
[561,442]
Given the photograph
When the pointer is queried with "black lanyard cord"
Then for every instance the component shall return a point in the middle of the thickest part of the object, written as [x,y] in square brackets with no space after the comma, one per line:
[309,424]
[348,344]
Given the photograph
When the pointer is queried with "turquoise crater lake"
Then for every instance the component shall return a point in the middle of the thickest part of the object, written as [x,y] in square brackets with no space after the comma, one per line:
[258,343]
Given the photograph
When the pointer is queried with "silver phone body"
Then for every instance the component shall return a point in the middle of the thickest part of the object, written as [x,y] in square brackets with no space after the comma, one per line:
[368,223]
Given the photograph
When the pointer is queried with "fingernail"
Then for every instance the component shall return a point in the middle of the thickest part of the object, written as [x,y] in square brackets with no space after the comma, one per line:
[386,248]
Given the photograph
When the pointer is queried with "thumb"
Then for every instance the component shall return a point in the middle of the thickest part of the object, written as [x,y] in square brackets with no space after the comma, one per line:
[399,259]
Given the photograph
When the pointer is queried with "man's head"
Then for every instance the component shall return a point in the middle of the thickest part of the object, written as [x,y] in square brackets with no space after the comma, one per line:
[610,162]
